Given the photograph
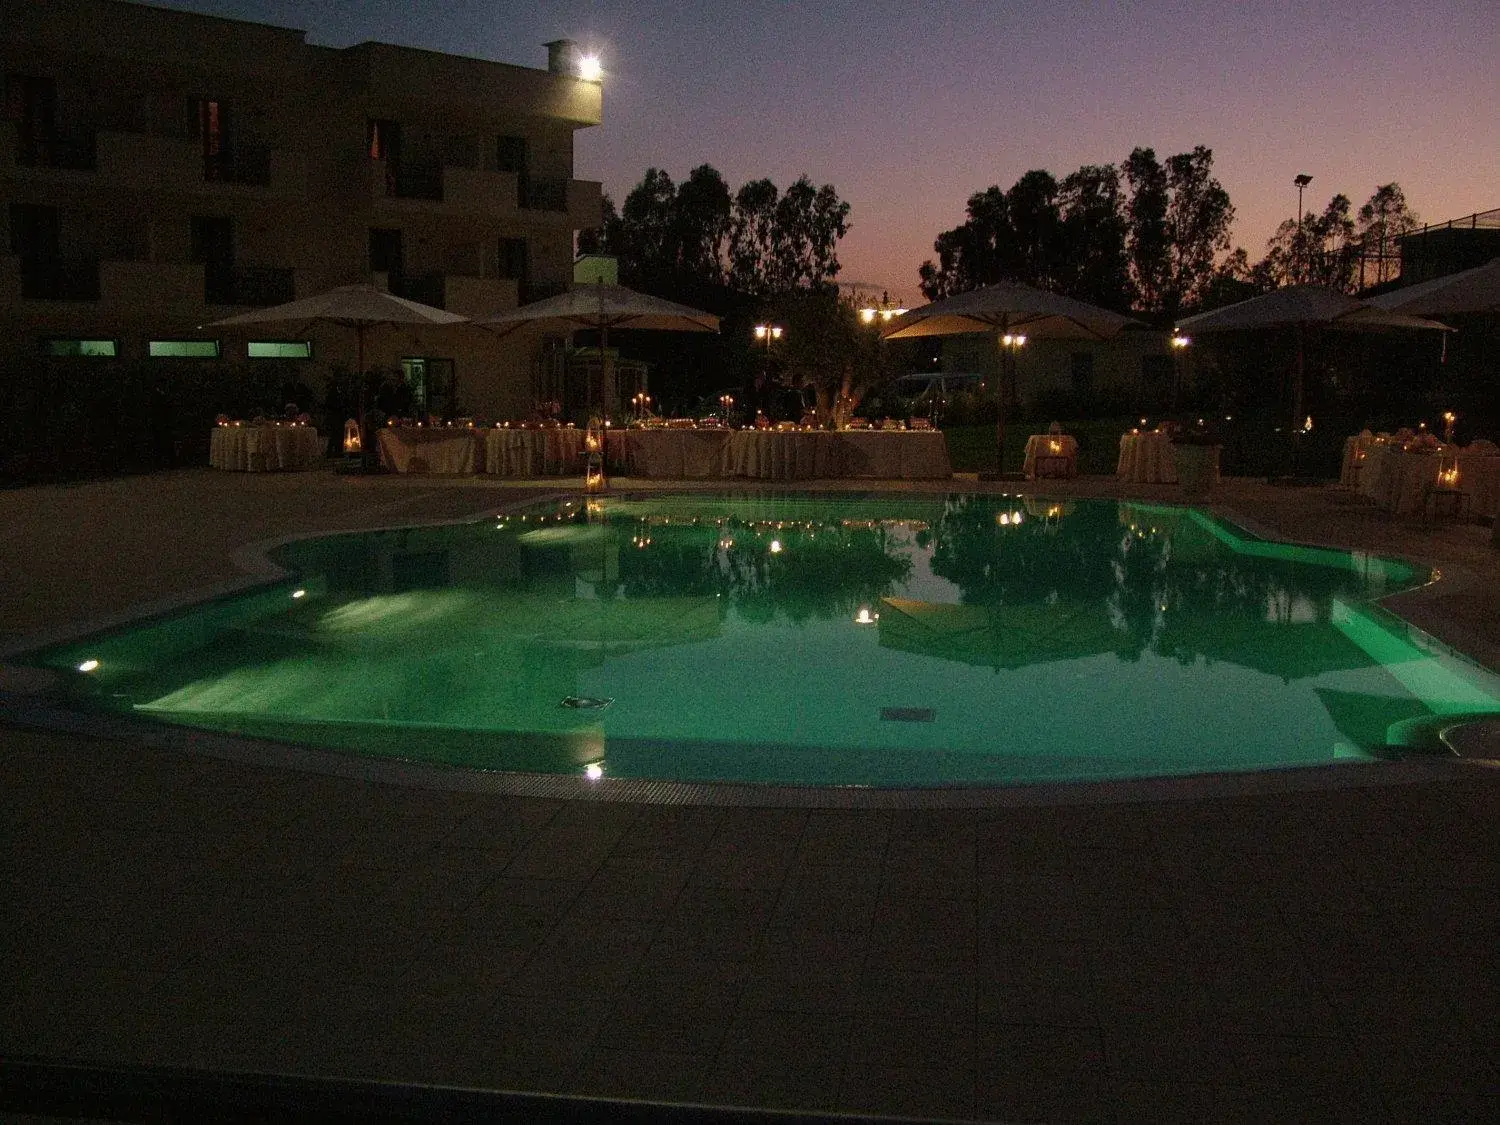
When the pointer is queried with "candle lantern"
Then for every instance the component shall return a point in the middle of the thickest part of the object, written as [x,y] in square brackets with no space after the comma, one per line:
[1448,419]
[593,458]
[352,441]
[1447,478]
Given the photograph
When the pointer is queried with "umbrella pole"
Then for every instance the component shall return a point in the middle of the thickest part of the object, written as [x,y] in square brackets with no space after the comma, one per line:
[366,461]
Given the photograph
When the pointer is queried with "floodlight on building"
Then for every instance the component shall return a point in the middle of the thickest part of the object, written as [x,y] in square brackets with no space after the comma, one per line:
[590,69]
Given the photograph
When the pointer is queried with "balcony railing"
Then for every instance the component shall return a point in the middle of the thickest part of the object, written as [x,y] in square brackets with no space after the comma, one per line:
[426,288]
[257,286]
[542,194]
[71,149]
[240,166]
[406,180]
[59,280]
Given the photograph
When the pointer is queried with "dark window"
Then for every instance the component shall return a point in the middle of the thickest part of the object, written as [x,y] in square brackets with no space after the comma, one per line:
[212,239]
[33,233]
[385,251]
[513,264]
[510,155]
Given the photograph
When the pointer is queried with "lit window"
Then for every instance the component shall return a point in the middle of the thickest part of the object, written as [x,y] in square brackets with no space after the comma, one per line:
[279,349]
[61,346]
[183,349]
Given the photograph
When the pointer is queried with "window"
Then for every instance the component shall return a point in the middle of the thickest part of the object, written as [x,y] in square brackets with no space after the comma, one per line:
[510,155]
[57,345]
[183,349]
[431,383]
[513,259]
[211,239]
[385,251]
[279,349]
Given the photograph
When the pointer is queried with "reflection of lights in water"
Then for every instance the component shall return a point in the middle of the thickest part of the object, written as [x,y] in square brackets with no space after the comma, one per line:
[88,666]
[299,593]
[594,771]
[775,546]
[865,616]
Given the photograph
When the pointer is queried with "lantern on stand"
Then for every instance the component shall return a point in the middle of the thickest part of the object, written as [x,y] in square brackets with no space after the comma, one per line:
[593,457]
[352,442]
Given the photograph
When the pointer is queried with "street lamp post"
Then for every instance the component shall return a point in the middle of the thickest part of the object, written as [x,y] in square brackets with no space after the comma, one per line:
[1179,349]
[1301,181]
[766,334]
[1010,344]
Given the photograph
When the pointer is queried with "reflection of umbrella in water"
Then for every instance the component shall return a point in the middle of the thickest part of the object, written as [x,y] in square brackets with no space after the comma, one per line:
[999,636]
[602,307]
[1287,650]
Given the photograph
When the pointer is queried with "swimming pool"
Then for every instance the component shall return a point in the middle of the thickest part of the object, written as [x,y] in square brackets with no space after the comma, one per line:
[810,640]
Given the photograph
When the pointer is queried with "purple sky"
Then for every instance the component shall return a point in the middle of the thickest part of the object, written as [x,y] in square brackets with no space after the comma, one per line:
[909,108]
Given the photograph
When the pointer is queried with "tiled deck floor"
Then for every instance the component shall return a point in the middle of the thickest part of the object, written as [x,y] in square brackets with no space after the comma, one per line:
[1305,955]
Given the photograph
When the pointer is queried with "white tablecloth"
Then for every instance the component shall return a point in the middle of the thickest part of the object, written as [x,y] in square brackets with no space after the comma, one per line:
[667,454]
[266,448]
[1399,481]
[894,455]
[1062,447]
[429,449]
[549,451]
[1147,458]
[1356,450]
[848,454]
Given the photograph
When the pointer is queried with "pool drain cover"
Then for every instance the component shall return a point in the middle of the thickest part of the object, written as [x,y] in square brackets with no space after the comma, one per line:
[908,714]
[586,703]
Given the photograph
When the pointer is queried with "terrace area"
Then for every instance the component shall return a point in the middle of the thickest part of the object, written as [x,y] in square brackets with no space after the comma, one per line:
[1290,946]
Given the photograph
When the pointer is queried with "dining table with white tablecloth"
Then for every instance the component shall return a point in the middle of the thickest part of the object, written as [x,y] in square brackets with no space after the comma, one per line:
[253,447]
[1146,458]
[1050,455]
[1356,450]
[1400,480]
[837,454]
[450,450]
[667,453]
[533,451]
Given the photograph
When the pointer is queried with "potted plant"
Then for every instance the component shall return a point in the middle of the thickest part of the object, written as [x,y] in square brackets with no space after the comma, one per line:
[1195,449]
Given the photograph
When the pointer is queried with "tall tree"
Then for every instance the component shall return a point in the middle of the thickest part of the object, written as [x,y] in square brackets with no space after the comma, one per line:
[1013,235]
[704,207]
[1383,219]
[1148,241]
[1199,215]
[1092,262]
[1319,250]
[752,237]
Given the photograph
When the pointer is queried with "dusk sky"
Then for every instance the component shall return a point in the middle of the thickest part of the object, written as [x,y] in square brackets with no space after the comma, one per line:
[907,109]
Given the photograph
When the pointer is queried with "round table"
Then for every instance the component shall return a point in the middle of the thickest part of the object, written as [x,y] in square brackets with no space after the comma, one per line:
[1147,458]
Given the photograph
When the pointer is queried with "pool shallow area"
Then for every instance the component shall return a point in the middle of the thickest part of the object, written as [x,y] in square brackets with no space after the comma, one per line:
[893,641]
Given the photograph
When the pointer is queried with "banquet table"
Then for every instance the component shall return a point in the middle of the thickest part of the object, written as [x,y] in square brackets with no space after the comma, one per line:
[673,454]
[515,451]
[429,449]
[1400,481]
[848,454]
[1356,451]
[1147,458]
[1058,454]
[264,448]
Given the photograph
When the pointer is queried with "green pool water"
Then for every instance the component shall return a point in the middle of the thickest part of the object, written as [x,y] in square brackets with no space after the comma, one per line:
[829,640]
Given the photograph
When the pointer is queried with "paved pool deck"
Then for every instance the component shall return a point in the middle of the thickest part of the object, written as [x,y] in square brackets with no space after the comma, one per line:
[1305,946]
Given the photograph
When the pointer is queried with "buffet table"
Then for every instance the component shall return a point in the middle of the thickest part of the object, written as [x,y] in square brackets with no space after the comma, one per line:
[429,449]
[1051,455]
[533,451]
[847,454]
[1356,451]
[894,454]
[1147,458]
[674,454]
[264,448]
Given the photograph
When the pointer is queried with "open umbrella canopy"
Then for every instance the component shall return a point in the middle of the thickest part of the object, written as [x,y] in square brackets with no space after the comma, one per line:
[348,304]
[1307,306]
[997,636]
[1469,291]
[601,307]
[1008,306]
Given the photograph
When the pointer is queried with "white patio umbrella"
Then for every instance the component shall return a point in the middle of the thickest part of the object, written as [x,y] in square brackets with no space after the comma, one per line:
[1469,291]
[360,307]
[1301,307]
[1009,308]
[599,306]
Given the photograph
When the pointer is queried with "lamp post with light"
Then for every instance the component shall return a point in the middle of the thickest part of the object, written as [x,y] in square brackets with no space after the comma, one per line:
[766,334]
[1302,180]
[1179,349]
[1010,344]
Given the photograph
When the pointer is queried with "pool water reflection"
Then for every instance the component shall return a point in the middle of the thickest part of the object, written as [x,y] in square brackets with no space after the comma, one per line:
[912,640]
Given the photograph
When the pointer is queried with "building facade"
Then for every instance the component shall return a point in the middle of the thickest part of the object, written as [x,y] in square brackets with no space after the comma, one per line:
[160,170]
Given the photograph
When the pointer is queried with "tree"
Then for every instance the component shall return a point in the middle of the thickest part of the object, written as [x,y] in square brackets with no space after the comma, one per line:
[1010,235]
[1383,219]
[1147,238]
[1199,215]
[828,351]
[1320,250]
[704,208]
[1092,262]
[780,243]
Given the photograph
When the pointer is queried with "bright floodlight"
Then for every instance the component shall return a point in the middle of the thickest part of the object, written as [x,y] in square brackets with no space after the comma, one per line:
[590,69]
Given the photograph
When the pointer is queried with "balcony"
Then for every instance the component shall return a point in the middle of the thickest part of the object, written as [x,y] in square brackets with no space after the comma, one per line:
[475,191]
[543,194]
[60,280]
[256,286]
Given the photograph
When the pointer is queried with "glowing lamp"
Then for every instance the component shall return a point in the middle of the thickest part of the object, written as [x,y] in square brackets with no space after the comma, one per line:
[299,593]
[867,315]
[88,666]
[594,771]
[775,546]
[1307,425]
[590,69]
[865,616]
[1181,341]
[352,441]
